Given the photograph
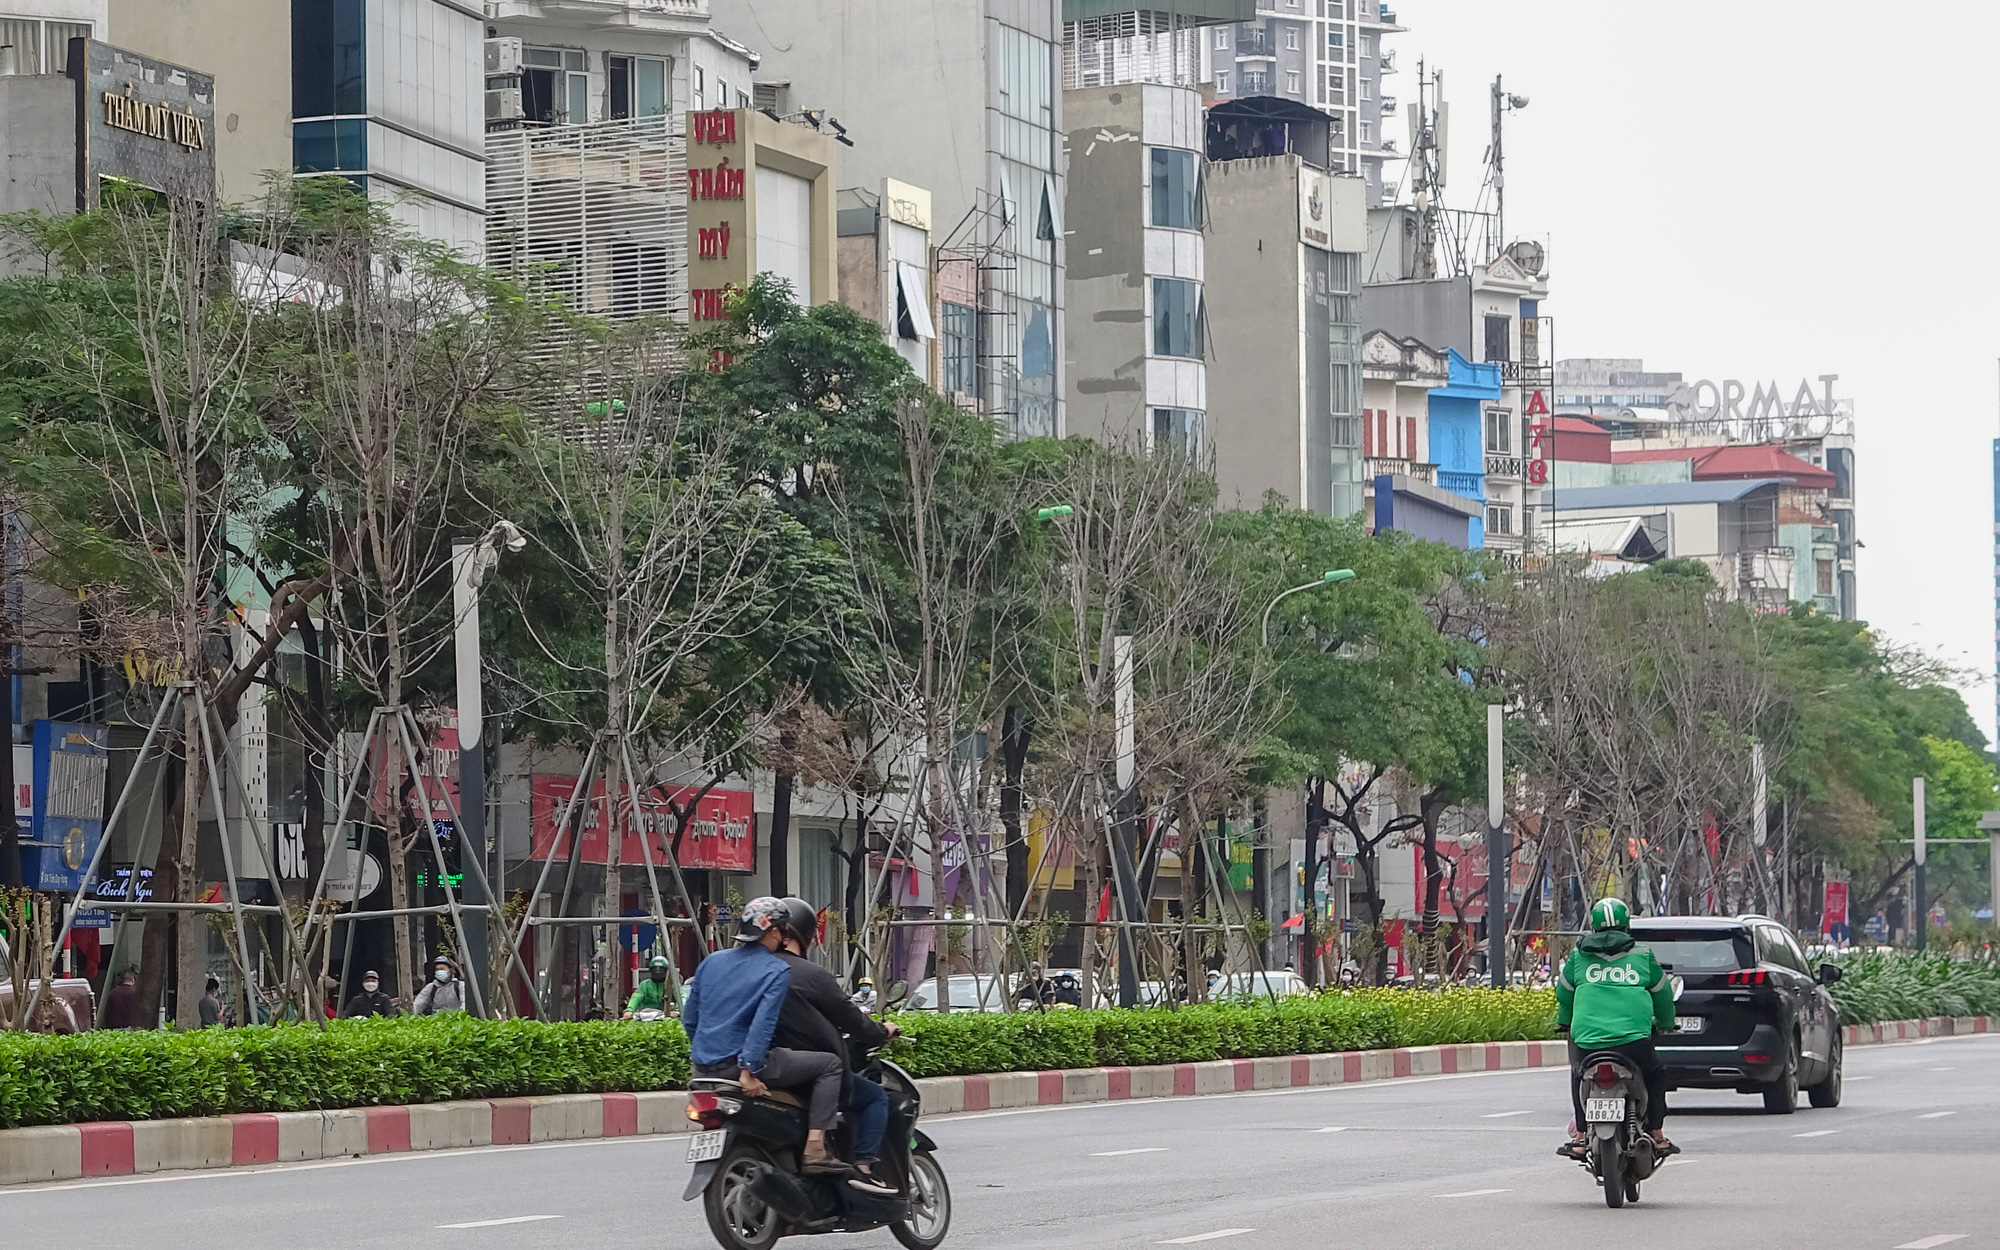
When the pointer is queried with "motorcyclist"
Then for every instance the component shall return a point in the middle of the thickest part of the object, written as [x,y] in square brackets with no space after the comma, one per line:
[1037,990]
[818,1015]
[864,995]
[1613,995]
[731,1013]
[651,994]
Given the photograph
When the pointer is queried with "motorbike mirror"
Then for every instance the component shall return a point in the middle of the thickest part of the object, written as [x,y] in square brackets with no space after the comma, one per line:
[1829,973]
[898,991]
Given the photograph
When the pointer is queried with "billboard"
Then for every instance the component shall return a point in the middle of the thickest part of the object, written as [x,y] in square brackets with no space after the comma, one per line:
[721,833]
[141,121]
[69,766]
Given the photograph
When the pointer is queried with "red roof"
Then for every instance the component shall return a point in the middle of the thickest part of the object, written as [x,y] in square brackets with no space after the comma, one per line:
[1576,425]
[1736,460]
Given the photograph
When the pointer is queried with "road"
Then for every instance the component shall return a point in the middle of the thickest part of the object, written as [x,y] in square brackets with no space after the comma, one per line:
[1427,1163]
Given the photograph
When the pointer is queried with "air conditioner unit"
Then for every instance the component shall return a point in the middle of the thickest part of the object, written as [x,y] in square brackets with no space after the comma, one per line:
[503,56]
[503,104]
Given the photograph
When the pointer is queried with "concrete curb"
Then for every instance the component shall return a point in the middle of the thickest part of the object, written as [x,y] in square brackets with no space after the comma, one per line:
[128,1147]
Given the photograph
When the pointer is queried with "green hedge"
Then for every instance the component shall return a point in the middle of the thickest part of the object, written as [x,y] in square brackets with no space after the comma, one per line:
[1907,986]
[142,1076]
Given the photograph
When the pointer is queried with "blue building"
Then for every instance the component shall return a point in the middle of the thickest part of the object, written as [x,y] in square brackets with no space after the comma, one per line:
[1458,433]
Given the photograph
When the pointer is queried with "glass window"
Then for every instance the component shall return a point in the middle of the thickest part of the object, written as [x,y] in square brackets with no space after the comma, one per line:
[1292,37]
[1499,518]
[700,88]
[330,146]
[959,346]
[1221,38]
[1177,329]
[649,87]
[1292,81]
[1823,574]
[57,36]
[1222,82]
[618,87]
[576,110]
[1176,189]
[1177,430]
[1368,132]
[1499,431]
[1499,336]
[329,58]
[1696,950]
[24,37]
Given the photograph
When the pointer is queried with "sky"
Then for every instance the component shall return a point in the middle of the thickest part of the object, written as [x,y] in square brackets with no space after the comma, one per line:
[1729,191]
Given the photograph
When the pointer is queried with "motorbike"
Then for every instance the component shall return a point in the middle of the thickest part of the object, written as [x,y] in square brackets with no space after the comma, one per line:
[747,1168]
[1620,1154]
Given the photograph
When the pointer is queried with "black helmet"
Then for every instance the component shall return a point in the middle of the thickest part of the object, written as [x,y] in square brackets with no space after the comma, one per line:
[801,921]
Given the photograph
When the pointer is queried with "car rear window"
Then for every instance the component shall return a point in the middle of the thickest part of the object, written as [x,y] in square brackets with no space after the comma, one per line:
[1698,950]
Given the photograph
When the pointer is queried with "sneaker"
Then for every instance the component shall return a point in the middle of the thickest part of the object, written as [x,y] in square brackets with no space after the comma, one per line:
[867,1183]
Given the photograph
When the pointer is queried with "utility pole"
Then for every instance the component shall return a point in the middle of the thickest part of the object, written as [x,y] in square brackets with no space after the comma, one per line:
[1124,879]
[1922,907]
[1496,855]
[1496,166]
[466,575]
[1315,822]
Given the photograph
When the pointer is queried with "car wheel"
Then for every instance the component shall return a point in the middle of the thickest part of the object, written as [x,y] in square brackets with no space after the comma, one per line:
[1781,1097]
[1827,1092]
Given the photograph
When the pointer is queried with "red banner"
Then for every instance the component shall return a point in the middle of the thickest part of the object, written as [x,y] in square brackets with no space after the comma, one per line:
[721,833]
[1834,912]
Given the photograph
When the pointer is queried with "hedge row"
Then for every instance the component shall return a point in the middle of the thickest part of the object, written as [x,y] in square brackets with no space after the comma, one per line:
[1907,986]
[117,1075]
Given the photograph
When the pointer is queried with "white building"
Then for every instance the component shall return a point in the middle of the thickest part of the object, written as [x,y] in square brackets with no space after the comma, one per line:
[601,60]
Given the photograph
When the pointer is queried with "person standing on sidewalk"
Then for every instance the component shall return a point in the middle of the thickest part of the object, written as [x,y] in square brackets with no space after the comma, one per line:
[445,993]
[121,1003]
[211,1004]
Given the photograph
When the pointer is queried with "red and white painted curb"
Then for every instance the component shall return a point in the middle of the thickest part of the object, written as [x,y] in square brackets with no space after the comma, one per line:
[127,1147]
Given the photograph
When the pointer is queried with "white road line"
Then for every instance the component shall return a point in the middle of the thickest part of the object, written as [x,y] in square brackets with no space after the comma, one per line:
[1473,1193]
[1937,1115]
[1141,1150]
[1941,1069]
[1501,1115]
[1930,1243]
[512,1219]
[1818,1132]
[1858,1078]
[1221,1232]
[1338,1128]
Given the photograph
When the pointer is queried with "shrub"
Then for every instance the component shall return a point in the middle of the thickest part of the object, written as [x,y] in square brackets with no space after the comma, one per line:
[1875,986]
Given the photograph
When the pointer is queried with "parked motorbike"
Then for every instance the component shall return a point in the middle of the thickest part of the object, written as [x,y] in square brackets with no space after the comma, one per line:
[747,1168]
[1614,1110]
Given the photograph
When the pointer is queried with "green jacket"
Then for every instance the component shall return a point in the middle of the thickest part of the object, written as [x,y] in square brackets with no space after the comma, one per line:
[651,995]
[1612,991]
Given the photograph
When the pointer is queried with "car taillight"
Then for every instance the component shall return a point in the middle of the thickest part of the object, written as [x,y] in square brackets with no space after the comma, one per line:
[1607,1076]
[707,1110]
[1756,976]
[1756,1058]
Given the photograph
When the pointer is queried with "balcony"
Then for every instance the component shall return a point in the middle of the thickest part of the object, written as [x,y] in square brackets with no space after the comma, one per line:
[1378,466]
[1471,485]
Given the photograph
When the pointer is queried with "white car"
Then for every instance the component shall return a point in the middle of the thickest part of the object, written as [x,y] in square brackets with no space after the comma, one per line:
[969,992]
[1247,986]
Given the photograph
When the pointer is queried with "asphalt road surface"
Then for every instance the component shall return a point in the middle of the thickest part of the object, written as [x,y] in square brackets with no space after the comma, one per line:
[1909,1161]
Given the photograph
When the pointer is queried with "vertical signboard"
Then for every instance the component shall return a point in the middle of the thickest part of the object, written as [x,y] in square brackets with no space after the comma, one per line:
[69,804]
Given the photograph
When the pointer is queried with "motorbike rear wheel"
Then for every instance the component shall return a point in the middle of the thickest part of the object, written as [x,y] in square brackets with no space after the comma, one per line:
[1610,1170]
[739,1219]
[930,1202]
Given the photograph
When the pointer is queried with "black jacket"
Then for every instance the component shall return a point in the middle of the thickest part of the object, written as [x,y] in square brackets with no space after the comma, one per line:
[366,1004]
[818,1015]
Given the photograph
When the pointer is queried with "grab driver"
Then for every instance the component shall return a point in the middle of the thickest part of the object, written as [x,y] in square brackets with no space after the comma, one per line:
[1612,995]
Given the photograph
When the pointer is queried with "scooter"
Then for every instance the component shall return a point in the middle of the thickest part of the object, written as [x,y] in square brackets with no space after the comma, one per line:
[1620,1154]
[747,1168]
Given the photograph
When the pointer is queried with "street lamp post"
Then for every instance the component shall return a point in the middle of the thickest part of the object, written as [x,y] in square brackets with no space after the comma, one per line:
[1316,819]
[471,561]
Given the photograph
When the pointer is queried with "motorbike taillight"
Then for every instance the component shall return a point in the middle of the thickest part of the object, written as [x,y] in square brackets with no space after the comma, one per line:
[1606,1076]
[707,1110]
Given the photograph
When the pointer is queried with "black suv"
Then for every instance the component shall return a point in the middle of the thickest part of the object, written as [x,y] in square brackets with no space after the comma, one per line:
[1752,1017]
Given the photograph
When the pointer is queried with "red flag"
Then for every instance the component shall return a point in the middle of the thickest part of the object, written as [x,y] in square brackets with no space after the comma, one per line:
[1104,904]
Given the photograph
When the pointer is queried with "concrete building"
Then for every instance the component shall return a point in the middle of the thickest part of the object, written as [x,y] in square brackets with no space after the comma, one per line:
[886,269]
[1587,385]
[960,97]
[601,60]
[1325,53]
[1733,526]
[1407,488]
[1283,339]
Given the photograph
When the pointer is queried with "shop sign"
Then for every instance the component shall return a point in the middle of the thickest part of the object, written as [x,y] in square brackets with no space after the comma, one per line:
[721,830]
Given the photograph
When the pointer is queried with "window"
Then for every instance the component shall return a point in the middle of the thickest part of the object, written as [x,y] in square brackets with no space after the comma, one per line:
[1366,89]
[638,86]
[1499,431]
[1824,576]
[1291,4]
[1335,39]
[1499,518]
[1367,132]
[555,86]
[1177,318]
[959,347]
[1499,335]
[330,145]
[743,99]
[40,47]
[1336,85]
[329,59]
[700,88]
[1292,81]
[1292,38]
[1222,39]
[1176,189]
[1367,44]
[913,303]
[1222,82]
[721,94]
[1177,430]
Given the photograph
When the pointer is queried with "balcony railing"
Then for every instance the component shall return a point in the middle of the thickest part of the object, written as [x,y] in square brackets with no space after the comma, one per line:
[1471,485]
[1376,466]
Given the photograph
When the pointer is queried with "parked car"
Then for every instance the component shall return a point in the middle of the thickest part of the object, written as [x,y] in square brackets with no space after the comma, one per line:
[70,1005]
[1752,1014]
[1243,986]
[969,992]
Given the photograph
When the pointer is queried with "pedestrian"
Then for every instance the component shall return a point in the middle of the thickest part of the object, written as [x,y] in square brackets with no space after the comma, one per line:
[211,1004]
[121,1004]
[445,992]
[371,1001]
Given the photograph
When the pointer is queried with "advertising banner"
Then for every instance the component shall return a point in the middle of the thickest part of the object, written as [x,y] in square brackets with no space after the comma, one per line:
[721,833]
[1833,921]
[68,804]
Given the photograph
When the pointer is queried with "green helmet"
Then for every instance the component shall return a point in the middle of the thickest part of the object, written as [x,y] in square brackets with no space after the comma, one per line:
[1610,913]
[659,961]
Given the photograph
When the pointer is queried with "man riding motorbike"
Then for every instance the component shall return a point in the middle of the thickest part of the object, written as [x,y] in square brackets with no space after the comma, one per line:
[651,994]
[817,1015]
[1613,995]
[731,1013]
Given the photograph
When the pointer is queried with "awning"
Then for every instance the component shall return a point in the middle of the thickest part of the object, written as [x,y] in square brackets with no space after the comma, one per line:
[913,294]
[1625,537]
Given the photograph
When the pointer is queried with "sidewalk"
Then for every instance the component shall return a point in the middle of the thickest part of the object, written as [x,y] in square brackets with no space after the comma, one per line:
[127,1147]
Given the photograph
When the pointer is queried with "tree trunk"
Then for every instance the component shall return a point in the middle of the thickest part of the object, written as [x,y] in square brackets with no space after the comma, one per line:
[1090,851]
[781,825]
[401,832]
[318,726]
[609,980]
[1191,883]
[190,967]
[1430,807]
[1015,730]
[940,903]
[157,933]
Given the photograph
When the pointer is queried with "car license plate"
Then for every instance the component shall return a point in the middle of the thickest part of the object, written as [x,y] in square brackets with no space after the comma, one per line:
[1689,1024]
[705,1146]
[1604,1110]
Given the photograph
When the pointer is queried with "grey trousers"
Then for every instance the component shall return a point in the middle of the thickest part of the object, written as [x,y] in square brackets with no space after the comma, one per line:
[790,1069]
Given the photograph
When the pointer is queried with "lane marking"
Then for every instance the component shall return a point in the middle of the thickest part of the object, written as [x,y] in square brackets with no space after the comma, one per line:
[1936,1115]
[1473,1193]
[1112,1154]
[1930,1243]
[1671,1162]
[1223,1232]
[512,1219]
[1951,1069]
[1818,1132]
[1859,1078]
[1338,1128]
[1501,1115]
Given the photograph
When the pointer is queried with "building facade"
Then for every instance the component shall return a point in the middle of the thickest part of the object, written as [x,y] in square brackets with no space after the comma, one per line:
[886,268]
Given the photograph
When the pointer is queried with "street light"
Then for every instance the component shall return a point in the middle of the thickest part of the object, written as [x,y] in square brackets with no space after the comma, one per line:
[1327,578]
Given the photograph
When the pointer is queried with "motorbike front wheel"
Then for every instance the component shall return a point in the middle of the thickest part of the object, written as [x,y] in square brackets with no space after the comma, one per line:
[740,1219]
[1611,1171]
[930,1205]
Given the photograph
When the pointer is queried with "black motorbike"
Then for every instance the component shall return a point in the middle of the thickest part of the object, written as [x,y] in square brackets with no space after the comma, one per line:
[1620,1154]
[753,1190]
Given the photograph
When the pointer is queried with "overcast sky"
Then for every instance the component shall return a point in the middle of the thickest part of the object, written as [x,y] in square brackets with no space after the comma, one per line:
[1731,192]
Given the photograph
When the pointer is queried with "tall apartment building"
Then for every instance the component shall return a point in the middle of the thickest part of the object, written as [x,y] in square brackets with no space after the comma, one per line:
[1325,53]
[963,98]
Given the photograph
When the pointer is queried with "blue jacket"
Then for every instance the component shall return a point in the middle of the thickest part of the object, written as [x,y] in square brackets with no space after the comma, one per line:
[732,1006]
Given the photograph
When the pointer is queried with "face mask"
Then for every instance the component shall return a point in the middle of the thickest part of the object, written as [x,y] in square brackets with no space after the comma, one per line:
[371,986]
[659,974]
[443,974]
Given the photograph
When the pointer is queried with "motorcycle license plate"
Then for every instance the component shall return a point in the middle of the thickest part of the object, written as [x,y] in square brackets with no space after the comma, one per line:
[1689,1024]
[1604,1110]
[705,1146]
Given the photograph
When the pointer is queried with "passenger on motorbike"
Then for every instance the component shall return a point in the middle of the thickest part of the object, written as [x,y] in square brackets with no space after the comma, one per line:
[652,992]
[731,1013]
[819,1016]
[1612,995]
